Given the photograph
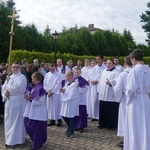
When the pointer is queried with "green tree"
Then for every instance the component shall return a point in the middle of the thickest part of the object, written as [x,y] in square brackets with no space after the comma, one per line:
[5,24]
[85,36]
[47,31]
[100,42]
[145,18]
[128,36]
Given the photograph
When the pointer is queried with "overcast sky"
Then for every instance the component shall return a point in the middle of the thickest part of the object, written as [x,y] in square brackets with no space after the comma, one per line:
[104,14]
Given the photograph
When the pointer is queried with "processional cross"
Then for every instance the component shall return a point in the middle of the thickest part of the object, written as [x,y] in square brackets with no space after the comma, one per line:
[13,16]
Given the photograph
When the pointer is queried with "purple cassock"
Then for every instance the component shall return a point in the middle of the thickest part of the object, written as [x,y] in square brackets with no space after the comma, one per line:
[36,129]
[81,120]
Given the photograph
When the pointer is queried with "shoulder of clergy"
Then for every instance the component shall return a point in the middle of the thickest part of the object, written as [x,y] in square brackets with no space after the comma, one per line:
[103,66]
[49,74]
[116,70]
[105,70]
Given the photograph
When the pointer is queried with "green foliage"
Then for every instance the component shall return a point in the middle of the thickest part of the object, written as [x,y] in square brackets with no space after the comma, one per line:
[47,31]
[128,36]
[19,55]
[4,30]
[145,18]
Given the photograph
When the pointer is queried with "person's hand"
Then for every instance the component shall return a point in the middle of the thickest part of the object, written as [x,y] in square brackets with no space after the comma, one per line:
[6,96]
[50,94]
[26,96]
[62,90]
[107,82]
[94,82]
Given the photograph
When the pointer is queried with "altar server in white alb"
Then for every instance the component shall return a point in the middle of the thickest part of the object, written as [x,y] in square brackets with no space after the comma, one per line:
[70,103]
[117,65]
[95,74]
[108,113]
[52,84]
[85,73]
[85,70]
[137,125]
[13,94]
[120,89]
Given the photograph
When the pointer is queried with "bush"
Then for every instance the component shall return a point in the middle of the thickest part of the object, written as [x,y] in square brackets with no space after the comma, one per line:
[19,55]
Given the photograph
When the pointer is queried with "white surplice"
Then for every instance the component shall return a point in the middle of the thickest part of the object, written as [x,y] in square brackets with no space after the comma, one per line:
[95,75]
[106,92]
[119,90]
[119,68]
[85,73]
[52,83]
[14,108]
[137,124]
[70,101]
[36,110]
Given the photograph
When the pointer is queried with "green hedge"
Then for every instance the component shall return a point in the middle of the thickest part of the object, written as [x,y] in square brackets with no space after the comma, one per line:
[19,55]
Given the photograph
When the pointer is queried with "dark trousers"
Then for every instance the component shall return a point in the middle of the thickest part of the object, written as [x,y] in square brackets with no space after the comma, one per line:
[108,114]
[70,123]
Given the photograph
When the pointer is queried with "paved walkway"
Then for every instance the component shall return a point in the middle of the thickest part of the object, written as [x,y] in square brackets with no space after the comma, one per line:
[92,139]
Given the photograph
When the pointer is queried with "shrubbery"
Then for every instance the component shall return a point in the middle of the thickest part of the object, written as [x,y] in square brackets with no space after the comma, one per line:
[19,55]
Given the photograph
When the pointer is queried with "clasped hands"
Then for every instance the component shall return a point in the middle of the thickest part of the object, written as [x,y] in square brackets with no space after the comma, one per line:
[49,94]
[6,95]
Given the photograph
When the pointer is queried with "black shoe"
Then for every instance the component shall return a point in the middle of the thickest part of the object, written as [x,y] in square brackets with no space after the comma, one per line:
[51,124]
[81,130]
[120,144]
[110,127]
[101,127]
[66,133]
[9,146]
[76,129]
[59,124]
[70,135]
[94,120]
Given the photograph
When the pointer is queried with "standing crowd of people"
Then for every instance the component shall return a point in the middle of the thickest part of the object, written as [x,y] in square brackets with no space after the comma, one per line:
[41,95]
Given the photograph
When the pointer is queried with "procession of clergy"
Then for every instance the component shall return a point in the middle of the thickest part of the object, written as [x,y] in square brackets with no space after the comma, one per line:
[116,96]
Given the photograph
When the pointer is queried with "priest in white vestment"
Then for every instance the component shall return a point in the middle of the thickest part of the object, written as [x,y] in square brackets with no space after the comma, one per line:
[13,93]
[108,113]
[85,73]
[137,124]
[95,74]
[52,84]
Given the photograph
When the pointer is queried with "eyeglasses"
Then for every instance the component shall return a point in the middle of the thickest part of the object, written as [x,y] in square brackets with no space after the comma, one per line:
[16,67]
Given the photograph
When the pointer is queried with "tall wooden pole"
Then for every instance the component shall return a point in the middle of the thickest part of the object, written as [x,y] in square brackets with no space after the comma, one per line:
[11,33]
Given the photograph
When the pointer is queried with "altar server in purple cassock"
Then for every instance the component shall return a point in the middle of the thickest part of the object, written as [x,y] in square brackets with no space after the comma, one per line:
[81,120]
[35,113]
